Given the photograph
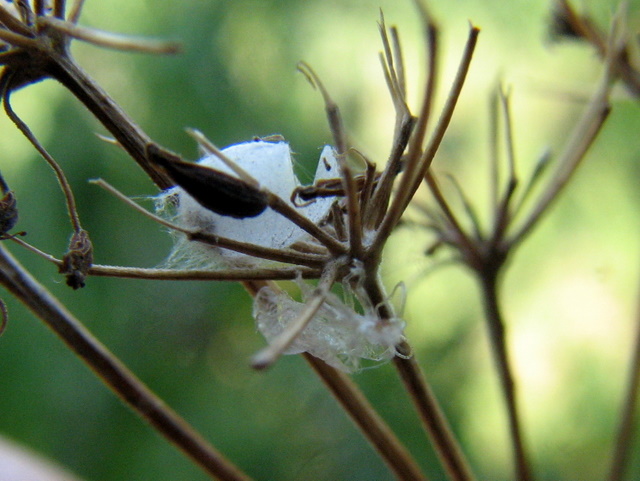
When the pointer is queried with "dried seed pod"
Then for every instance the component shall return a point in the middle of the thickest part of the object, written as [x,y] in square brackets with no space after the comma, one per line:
[8,209]
[219,192]
[78,259]
[8,213]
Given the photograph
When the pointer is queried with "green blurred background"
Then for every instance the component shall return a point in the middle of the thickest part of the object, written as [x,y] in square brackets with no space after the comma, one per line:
[569,295]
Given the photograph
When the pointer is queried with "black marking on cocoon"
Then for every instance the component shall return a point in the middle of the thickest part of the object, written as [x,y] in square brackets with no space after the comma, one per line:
[219,192]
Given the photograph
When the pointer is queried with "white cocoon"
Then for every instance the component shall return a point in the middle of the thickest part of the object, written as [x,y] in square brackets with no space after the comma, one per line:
[270,163]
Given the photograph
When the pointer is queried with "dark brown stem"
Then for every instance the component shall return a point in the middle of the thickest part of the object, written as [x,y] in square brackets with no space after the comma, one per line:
[418,165]
[367,419]
[112,372]
[445,444]
[132,139]
[497,337]
[434,420]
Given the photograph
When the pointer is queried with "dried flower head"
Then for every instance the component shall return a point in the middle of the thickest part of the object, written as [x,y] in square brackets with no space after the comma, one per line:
[338,230]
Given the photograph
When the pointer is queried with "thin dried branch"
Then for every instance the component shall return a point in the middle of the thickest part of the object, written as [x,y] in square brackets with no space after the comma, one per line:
[14,24]
[26,131]
[17,39]
[279,255]
[540,168]
[60,5]
[456,231]
[237,274]
[111,371]
[101,38]
[583,135]
[212,149]
[331,108]
[283,208]
[334,117]
[368,420]
[75,11]
[39,7]
[446,446]
[417,166]
[502,213]
[430,32]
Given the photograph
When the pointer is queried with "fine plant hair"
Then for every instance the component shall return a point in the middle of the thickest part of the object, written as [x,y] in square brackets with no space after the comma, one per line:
[363,201]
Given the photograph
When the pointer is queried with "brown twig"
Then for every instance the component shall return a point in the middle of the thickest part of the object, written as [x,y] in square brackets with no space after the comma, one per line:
[112,372]
[418,165]
[440,434]
[497,337]
[370,423]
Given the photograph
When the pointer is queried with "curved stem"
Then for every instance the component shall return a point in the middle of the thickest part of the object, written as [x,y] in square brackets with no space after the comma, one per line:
[62,178]
[112,372]
[497,337]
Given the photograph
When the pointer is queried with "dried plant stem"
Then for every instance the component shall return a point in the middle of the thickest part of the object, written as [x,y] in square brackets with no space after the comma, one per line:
[134,141]
[62,179]
[367,419]
[418,164]
[435,422]
[281,255]
[431,61]
[111,40]
[112,372]
[74,11]
[446,446]
[59,7]
[626,426]
[236,274]
[497,336]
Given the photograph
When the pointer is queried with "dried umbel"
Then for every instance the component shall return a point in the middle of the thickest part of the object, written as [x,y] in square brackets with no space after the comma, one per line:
[241,208]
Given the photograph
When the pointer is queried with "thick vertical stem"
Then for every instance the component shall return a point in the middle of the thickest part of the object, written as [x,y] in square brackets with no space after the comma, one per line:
[497,337]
